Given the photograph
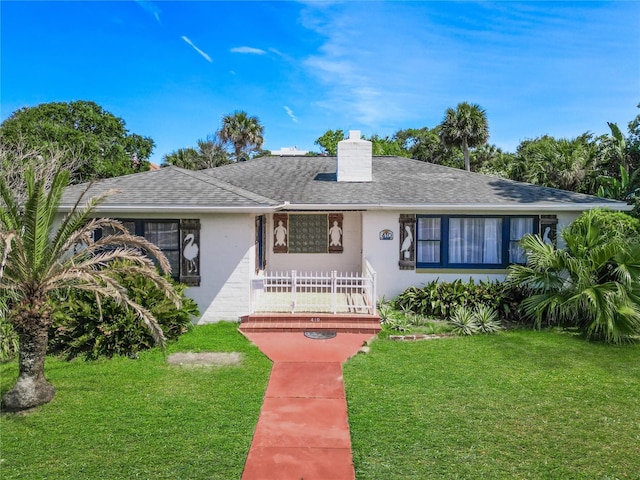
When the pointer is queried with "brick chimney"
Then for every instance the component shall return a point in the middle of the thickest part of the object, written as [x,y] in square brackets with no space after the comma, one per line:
[354,159]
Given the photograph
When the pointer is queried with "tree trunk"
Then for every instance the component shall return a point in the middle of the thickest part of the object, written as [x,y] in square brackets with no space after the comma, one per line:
[465,151]
[31,389]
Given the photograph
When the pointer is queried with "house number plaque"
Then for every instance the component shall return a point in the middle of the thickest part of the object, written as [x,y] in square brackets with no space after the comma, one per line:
[386,234]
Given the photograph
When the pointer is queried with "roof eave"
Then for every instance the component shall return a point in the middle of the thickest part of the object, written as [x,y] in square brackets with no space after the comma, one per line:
[177,209]
[555,207]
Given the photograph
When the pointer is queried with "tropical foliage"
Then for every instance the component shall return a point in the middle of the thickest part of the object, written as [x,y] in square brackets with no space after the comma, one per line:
[593,283]
[239,138]
[466,127]
[210,153]
[441,299]
[245,133]
[45,254]
[95,143]
[82,326]
[479,319]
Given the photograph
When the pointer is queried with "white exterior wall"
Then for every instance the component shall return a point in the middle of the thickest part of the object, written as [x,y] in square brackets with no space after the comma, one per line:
[226,265]
[226,262]
[227,257]
[384,254]
[350,260]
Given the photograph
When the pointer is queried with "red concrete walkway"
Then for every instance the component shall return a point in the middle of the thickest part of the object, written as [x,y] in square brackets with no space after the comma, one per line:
[303,430]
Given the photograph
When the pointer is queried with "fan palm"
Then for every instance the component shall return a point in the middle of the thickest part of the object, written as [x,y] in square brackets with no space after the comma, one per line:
[593,283]
[244,132]
[42,255]
[465,127]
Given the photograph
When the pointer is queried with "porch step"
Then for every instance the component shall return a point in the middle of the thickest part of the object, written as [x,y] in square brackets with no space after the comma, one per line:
[316,322]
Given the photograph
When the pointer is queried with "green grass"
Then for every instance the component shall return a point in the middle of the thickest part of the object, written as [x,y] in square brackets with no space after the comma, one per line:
[123,418]
[522,404]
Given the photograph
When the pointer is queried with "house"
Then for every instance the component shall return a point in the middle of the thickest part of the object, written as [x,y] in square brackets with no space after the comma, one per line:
[246,236]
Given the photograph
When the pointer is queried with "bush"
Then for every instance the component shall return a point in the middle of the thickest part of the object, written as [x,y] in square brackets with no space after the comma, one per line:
[440,299]
[593,283]
[611,224]
[8,340]
[462,321]
[82,327]
[481,319]
[486,319]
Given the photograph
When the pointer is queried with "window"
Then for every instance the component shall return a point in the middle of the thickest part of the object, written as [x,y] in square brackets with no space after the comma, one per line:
[518,229]
[165,234]
[308,233]
[471,241]
[429,240]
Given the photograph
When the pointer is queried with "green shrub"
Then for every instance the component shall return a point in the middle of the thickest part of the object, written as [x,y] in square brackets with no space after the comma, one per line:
[480,319]
[8,340]
[486,319]
[593,283]
[393,319]
[440,299]
[82,327]
[462,321]
[610,224]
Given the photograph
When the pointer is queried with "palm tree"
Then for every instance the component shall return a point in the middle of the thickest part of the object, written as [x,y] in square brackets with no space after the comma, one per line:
[245,133]
[42,255]
[465,127]
[593,283]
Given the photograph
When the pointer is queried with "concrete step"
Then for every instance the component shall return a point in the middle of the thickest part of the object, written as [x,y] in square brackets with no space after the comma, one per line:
[318,322]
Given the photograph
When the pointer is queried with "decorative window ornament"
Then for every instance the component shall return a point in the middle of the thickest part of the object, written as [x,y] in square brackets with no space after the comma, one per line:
[190,252]
[549,229]
[336,234]
[407,260]
[280,233]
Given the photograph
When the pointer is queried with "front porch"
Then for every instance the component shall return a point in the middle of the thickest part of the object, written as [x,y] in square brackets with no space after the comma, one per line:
[313,301]
[315,292]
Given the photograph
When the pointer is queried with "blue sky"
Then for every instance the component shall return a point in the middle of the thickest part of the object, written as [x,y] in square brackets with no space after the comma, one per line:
[171,70]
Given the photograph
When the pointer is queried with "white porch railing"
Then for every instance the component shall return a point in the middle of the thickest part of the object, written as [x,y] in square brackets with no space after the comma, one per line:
[317,292]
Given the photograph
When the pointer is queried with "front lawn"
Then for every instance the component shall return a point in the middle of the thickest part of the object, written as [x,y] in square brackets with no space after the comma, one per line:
[521,404]
[124,418]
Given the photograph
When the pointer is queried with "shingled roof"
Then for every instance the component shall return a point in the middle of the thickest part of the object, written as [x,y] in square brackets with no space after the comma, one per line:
[397,182]
[168,189]
[306,182]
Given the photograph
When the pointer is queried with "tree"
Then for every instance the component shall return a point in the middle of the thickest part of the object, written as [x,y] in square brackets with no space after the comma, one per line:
[387,146]
[592,284]
[243,132]
[465,127]
[81,130]
[210,153]
[422,144]
[188,158]
[616,152]
[42,255]
[329,141]
[568,164]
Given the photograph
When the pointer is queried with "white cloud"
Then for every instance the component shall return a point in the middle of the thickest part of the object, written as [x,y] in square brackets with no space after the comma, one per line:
[290,113]
[204,55]
[151,8]
[249,50]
